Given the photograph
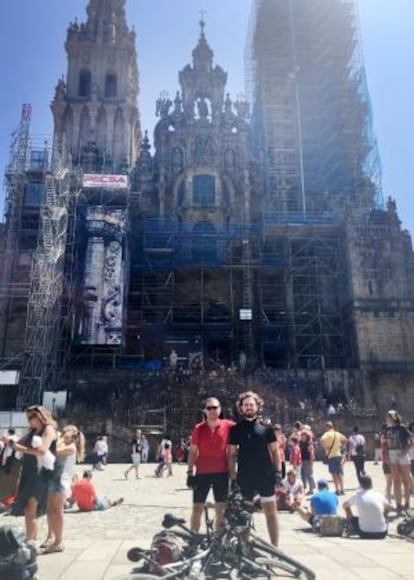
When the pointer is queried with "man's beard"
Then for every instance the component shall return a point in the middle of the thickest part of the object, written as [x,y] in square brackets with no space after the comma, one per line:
[249,414]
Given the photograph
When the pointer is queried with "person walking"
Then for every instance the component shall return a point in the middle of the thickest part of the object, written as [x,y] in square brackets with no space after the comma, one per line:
[137,446]
[356,451]
[207,462]
[332,442]
[253,459]
[164,456]
[100,452]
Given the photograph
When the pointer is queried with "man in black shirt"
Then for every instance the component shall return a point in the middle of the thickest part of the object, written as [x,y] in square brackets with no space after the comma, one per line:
[253,447]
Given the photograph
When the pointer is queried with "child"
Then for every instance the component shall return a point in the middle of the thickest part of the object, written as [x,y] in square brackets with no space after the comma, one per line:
[45,461]
[295,455]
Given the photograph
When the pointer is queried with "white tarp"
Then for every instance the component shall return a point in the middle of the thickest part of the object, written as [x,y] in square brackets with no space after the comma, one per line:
[9,377]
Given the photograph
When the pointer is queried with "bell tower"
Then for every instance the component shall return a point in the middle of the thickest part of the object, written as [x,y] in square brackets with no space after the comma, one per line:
[95,108]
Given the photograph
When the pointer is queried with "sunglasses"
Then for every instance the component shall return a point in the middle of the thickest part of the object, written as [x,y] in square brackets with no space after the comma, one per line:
[211,408]
[32,416]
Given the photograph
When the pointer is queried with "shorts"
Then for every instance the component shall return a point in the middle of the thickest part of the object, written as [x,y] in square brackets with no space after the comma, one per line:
[203,482]
[397,457]
[386,468]
[136,458]
[101,504]
[335,465]
[252,484]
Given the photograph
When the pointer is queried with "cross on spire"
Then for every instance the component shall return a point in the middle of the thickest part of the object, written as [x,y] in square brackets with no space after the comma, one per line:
[202,21]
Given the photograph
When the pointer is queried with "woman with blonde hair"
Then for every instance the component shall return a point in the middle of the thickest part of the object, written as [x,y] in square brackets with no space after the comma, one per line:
[70,448]
[32,492]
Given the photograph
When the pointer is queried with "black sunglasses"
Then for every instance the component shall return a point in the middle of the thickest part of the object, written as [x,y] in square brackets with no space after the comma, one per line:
[211,408]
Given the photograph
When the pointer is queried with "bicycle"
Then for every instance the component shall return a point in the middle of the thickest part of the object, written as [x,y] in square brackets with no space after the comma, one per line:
[235,551]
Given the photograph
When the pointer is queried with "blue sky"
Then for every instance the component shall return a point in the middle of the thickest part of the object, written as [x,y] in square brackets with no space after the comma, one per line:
[32,58]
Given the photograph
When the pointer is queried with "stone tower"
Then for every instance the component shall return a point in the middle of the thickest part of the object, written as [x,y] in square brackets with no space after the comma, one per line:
[96,107]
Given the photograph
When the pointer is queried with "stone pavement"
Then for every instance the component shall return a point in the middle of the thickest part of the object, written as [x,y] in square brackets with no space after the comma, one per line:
[97,543]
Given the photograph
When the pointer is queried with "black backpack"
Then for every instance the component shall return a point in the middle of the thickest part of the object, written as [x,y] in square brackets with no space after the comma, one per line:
[17,555]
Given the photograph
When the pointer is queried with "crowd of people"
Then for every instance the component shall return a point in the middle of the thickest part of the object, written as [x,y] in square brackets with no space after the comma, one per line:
[253,454]
[250,454]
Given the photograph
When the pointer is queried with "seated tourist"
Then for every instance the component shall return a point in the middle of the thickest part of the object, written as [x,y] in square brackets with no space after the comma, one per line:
[84,494]
[291,494]
[371,507]
[322,503]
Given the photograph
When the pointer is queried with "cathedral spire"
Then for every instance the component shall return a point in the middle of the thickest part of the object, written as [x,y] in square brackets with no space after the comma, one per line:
[202,54]
[106,19]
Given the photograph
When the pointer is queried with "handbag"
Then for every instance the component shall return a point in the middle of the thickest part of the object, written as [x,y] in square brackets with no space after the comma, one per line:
[326,458]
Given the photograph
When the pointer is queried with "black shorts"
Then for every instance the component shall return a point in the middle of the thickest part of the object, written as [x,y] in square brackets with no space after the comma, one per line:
[252,484]
[203,482]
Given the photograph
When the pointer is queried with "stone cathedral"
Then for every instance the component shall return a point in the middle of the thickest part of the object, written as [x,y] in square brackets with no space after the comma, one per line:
[239,234]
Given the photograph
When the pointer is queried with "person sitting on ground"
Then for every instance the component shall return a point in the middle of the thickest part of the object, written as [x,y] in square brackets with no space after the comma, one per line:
[84,494]
[371,507]
[322,503]
[291,494]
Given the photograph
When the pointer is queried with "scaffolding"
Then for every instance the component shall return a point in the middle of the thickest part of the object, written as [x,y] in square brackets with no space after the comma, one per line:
[14,283]
[311,110]
[302,297]
[190,284]
[44,310]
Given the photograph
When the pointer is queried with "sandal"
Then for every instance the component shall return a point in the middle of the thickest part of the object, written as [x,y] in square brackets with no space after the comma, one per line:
[52,548]
[46,543]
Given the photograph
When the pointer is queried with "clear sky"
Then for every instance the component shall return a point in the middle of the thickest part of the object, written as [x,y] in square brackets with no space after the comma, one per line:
[32,58]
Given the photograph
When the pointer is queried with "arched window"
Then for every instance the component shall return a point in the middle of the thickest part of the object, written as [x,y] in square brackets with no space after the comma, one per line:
[111,86]
[84,87]
[204,190]
[204,242]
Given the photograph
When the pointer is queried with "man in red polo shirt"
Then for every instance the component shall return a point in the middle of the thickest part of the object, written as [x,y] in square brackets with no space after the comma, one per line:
[207,462]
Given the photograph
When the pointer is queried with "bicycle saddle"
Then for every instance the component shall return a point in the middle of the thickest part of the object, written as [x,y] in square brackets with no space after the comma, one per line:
[171,520]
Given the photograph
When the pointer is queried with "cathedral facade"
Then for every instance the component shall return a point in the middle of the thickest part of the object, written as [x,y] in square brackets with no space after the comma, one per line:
[250,234]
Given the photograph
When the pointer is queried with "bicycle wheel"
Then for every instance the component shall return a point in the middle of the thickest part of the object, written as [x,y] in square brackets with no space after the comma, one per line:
[274,561]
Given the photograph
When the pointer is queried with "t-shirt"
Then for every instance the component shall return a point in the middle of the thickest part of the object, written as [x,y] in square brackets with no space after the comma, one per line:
[84,494]
[324,503]
[293,488]
[370,505]
[253,440]
[354,441]
[212,446]
[398,437]
[332,442]
[137,445]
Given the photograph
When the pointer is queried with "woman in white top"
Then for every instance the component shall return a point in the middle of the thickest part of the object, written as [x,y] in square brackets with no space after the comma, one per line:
[69,449]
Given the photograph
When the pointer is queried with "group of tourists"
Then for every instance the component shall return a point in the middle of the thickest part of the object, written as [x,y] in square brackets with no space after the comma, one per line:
[252,453]
[250,456]
[44,460]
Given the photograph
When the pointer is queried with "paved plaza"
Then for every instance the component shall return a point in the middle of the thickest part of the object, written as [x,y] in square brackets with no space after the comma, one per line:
[97,543]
